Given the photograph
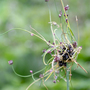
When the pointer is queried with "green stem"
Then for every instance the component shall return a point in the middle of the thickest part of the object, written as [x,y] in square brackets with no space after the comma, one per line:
[67,75]
[33,77]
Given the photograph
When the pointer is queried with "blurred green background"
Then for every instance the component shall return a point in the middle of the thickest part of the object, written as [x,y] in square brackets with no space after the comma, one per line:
[26,51]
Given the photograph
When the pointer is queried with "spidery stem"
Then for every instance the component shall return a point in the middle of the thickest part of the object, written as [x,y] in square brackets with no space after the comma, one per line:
[51,24]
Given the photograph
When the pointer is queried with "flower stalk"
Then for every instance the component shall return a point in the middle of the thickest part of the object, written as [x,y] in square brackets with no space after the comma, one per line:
[67,76]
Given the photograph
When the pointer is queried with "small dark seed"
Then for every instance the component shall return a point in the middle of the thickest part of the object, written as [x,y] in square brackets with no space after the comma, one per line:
[54,81]
[64,48]
[69,46]
[69,59]
[71,49]
[60,53]
[65,64]
[60,63]
[65,56]
[70,54]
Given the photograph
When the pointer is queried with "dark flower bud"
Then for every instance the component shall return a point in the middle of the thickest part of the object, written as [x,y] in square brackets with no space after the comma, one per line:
[49,41]
[67,15]
[60,42]
[66,20]
[64,48]
[65,64]
[53,43]
[54,81]
[10,62]
[60,63]
[74,44]
[66,7]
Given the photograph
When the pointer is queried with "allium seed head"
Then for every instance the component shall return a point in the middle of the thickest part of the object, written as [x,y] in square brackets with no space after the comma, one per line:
[10,62]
